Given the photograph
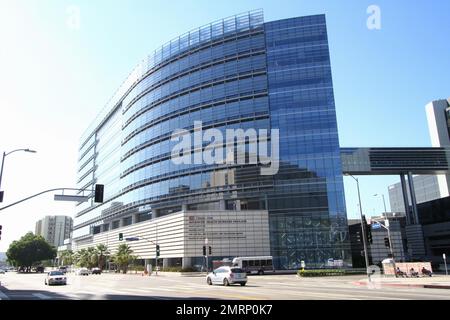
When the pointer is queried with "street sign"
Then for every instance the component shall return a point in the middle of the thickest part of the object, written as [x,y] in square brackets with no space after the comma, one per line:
[376,225]
[64,197]
[302,263]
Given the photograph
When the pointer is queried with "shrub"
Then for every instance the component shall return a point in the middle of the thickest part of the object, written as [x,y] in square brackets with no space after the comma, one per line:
[321,273]
[172,269]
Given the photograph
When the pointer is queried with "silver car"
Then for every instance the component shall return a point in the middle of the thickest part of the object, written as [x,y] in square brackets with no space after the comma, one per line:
[82,272]
[55,277]
[226,276]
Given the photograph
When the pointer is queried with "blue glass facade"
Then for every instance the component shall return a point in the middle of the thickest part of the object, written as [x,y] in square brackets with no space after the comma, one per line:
[307,211]
[235,73]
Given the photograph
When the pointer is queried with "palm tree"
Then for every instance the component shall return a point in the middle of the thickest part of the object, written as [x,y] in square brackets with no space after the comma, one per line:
[123,257]
[92,257]
[82,258]
[66,257]
[102,253]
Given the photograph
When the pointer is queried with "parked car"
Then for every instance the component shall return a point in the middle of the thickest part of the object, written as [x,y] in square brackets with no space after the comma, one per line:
[55,277]
[40,269]
[63,269]
[82,272]
[96,271]
[227,275]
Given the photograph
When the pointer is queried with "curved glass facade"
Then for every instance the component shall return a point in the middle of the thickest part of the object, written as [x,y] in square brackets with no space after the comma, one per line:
[237,73]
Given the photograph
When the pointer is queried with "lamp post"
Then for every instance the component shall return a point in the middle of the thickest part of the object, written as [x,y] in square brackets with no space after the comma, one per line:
[3,163]
[363,227]
[384,202]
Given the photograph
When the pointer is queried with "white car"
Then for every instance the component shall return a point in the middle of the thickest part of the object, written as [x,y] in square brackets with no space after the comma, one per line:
[226,276]
[55,277]
[82,272]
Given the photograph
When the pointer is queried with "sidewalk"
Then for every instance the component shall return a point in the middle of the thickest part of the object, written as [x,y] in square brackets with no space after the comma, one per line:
[435,282]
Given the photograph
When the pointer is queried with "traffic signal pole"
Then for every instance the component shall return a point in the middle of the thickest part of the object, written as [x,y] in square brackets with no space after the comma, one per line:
[99,195]
[157,248]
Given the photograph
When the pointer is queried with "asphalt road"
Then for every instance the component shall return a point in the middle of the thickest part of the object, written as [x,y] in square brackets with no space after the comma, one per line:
[170,287]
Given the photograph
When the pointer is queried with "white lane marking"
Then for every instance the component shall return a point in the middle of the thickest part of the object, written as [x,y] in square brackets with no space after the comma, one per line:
[3,296]
[41,296]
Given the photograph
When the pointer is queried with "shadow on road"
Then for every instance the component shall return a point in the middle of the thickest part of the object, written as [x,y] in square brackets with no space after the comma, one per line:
[46,295]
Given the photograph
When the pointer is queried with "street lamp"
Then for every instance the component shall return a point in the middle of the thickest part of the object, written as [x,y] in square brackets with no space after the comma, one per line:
[384,202]
[3,162]
[363,226]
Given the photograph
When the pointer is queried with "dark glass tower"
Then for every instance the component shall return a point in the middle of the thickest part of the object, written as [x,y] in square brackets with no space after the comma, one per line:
[235,73]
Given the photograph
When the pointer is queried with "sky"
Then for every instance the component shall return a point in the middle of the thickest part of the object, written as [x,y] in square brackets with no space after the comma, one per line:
[61,61]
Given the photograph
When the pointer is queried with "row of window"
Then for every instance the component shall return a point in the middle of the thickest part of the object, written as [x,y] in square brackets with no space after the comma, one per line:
[193,60]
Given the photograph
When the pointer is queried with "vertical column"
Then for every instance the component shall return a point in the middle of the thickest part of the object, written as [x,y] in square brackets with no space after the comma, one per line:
[155,213]
[186,262]
[405,199]
[166,262]
[135,218]
[413,198]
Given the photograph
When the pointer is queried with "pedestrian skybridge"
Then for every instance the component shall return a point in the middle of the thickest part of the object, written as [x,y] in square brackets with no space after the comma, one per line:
[395,161]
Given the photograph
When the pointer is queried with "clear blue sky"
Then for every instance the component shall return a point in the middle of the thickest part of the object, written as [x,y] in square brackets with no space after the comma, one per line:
[55,78]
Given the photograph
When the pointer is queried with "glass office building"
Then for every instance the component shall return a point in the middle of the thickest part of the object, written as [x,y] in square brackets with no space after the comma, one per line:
[238,72]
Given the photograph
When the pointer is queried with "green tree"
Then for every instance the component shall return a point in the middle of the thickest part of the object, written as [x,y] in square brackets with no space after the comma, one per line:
[66,257]
[82,258]
[91,257]
[30,250]
[123,257]
[102,254]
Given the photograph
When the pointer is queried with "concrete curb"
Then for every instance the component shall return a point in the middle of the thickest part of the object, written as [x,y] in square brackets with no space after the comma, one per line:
[426,286]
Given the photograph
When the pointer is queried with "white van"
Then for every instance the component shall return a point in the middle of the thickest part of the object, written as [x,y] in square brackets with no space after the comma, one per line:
[258,264]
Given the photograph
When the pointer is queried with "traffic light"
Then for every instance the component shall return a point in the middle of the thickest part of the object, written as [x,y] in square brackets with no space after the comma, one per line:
[369,233]
[0,232]
[1,196]
[157,250]
[210,250]
[386,242]
[120,236]
[98,193]
[204,250]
